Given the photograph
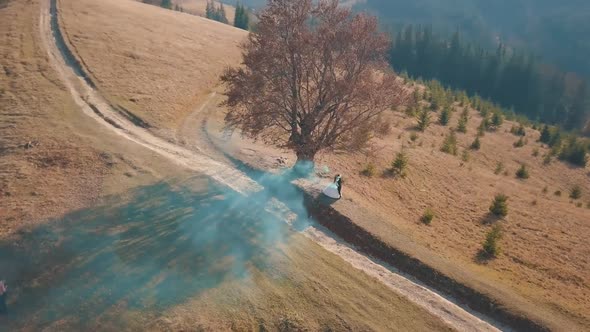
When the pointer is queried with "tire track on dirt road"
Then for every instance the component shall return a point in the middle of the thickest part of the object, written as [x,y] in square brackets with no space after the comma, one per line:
[95,106]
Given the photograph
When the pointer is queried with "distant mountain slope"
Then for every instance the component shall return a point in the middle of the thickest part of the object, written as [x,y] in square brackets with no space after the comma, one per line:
[555,30]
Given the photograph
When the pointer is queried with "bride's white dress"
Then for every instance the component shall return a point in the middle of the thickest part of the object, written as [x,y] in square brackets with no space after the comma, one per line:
[332,191]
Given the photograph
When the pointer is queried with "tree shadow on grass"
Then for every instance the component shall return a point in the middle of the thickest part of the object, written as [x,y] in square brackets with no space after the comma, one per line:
[164,246]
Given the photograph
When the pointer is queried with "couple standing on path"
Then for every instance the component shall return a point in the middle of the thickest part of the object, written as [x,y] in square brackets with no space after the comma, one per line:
[334,189]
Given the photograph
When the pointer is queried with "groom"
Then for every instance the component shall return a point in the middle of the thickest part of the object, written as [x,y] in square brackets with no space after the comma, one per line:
[338,181]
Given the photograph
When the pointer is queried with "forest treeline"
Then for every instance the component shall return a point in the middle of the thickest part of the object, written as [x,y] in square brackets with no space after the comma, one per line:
[512,79]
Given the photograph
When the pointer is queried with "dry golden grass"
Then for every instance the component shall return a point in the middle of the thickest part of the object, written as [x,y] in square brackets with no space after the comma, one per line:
[70,162]
[157,63]
[308,288]
[76,162]
[161,64]
[544,256]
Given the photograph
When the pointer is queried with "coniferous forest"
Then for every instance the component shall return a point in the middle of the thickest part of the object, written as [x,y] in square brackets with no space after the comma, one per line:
[512,79]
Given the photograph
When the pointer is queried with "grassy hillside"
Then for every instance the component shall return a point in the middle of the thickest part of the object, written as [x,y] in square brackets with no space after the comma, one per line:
[543,255]
[556,30]
[160,63]
[53,158]
[543,227]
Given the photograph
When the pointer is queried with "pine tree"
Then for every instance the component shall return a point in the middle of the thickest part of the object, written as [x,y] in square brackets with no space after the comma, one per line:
[210,10]
[518,131]
[491,248]
[241,19]
[238,16]
[520,143]
[445,116]
[522,172]
[450,144]
[483,126]
[463,120]
[496,121]
[574,151]
[462,125]
[423,118]
[166,4]
[476,145]
[499,206]
[576,192]
[221,14]
[555,140]
[399,165]
[545,135]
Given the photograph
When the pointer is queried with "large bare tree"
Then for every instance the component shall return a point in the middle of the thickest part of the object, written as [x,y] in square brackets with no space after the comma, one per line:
[313,77]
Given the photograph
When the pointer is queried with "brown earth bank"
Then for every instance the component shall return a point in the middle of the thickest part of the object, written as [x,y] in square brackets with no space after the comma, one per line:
[72,164]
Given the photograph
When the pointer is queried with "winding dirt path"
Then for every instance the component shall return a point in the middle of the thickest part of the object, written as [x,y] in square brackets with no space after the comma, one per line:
[197,159]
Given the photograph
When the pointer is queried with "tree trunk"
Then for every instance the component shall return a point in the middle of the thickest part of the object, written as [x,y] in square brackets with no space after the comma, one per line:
[305,164]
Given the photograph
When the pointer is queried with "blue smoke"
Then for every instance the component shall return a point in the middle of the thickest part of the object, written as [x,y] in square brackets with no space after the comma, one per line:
[164,246]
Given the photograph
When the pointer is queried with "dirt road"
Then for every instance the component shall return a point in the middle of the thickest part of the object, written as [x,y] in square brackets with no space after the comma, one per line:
[95,106]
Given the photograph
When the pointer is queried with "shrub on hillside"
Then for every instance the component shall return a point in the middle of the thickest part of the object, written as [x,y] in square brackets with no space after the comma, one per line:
[483,126]
[427,217]
[547,159]
[576,192]
[499,206]
[411,111]
[499,168]
[462,125]
[518,131]
[519,143]
[556,138]
[417,95]
[496,121]
[465,156]
[491,246]
[445,116]
[476,145]
[369,170]
[400,164]
[423,118]
[557,193]
[523,172]
[535,152]
[545,135]
[413,137]
[450,144]
[574,151]
[383,129]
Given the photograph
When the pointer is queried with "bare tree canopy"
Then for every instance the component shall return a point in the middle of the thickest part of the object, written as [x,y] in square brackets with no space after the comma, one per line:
[313,77]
